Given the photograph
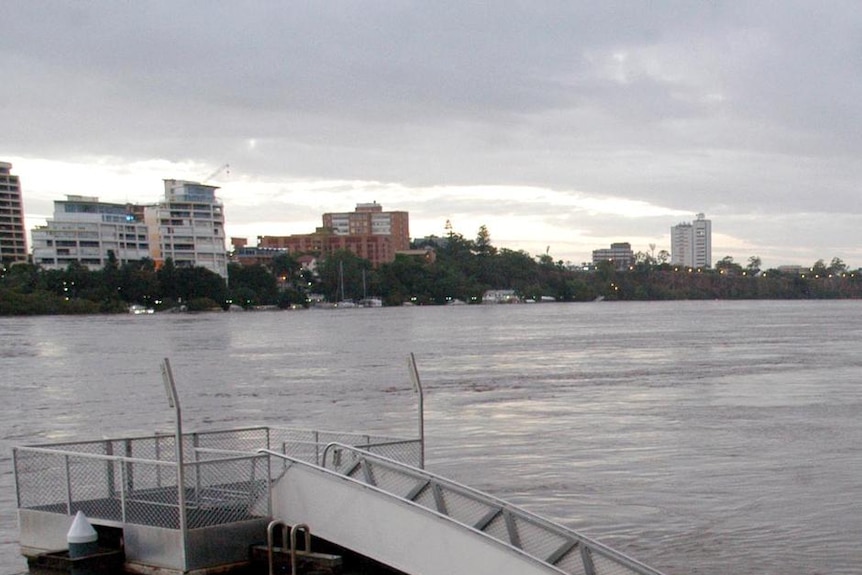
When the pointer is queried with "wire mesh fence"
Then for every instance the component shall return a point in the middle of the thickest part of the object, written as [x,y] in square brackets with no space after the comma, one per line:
[136,479]
[309,445]
[226,490]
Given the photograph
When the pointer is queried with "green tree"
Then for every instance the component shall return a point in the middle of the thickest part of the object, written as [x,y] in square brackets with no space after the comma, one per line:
[753,264]
[482,246]
[257,284]
[22,277]
[138,282]
[644,261]
[293,282]
[168,281]
[819,269]
[728,266]
[837,266]
[404,279]
[285,267]
[196,283]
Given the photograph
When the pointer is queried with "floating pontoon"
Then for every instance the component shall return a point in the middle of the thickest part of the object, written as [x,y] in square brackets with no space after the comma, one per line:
[202,502]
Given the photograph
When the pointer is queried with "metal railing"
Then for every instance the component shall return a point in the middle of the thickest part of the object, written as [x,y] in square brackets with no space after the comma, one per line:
[563,549]
[142,491]
[309,445]
[135,479]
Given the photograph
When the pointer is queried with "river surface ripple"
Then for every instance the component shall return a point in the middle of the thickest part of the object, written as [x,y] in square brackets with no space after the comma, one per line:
[697,437]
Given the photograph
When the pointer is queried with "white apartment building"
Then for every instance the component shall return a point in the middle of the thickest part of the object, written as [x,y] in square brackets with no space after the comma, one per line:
[86,230]
[188,227]
[691,243]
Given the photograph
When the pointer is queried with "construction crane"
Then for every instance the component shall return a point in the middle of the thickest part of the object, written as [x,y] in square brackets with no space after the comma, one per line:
[225,168]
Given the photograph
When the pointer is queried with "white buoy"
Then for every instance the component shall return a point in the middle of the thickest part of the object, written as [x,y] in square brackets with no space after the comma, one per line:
[82,538]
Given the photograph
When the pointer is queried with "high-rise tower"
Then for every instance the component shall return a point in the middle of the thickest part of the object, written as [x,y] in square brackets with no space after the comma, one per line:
[188,227]
[13,234]
[691,243]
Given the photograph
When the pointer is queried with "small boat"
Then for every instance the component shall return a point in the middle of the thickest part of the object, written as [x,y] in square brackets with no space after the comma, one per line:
[137,309]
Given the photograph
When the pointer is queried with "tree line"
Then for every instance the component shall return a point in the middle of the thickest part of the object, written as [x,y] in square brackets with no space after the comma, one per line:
[464,269]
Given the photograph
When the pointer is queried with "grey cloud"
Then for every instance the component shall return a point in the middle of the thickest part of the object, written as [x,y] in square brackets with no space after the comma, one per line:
[731,108]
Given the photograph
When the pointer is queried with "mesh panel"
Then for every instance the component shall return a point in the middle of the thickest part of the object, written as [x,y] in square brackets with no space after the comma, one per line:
[239,440]
[497,528]
[93,447]
[393,481]
[88,479]
[150,495]
[143,492]
[309,445]
[156,448]
[426,498]
[224,491]
[41,479]
[572,562]
[536,540]
[606,566]
[308,451]
[466,510]
[408,452]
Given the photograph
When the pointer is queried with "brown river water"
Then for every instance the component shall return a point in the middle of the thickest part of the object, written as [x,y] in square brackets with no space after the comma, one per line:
[697,437]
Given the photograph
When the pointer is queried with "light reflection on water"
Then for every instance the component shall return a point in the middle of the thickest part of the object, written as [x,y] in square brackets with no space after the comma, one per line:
[699,437]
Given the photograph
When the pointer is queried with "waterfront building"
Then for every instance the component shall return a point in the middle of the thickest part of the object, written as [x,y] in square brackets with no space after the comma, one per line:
[13,233]
[368,232]
[254,256]
[88,231]
[188,227]
[691,243]
[370,219]
[619,253]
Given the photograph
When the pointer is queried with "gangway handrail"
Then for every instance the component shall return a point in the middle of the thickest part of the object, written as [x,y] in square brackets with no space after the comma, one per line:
[162,434]
[245,455]
[496,507]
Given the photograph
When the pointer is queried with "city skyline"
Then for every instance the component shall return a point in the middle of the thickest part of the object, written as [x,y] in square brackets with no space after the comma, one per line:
[300,228]
[562,128]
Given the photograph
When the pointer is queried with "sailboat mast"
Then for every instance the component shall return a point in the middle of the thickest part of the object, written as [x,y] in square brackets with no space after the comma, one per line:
[341,278]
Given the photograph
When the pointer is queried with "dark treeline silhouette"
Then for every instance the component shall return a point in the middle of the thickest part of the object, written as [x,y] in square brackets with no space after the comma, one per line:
[463,270]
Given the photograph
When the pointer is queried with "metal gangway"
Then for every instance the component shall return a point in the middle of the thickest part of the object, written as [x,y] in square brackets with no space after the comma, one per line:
[424,524]
[177,516]
[186,502]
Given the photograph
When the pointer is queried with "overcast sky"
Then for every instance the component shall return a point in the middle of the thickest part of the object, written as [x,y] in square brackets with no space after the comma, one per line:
[561,126]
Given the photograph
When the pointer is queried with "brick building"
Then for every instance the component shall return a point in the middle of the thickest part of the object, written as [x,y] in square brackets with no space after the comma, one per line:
[368,232]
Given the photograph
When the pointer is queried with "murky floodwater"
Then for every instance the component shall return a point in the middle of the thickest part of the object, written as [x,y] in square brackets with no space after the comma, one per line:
[698,437]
